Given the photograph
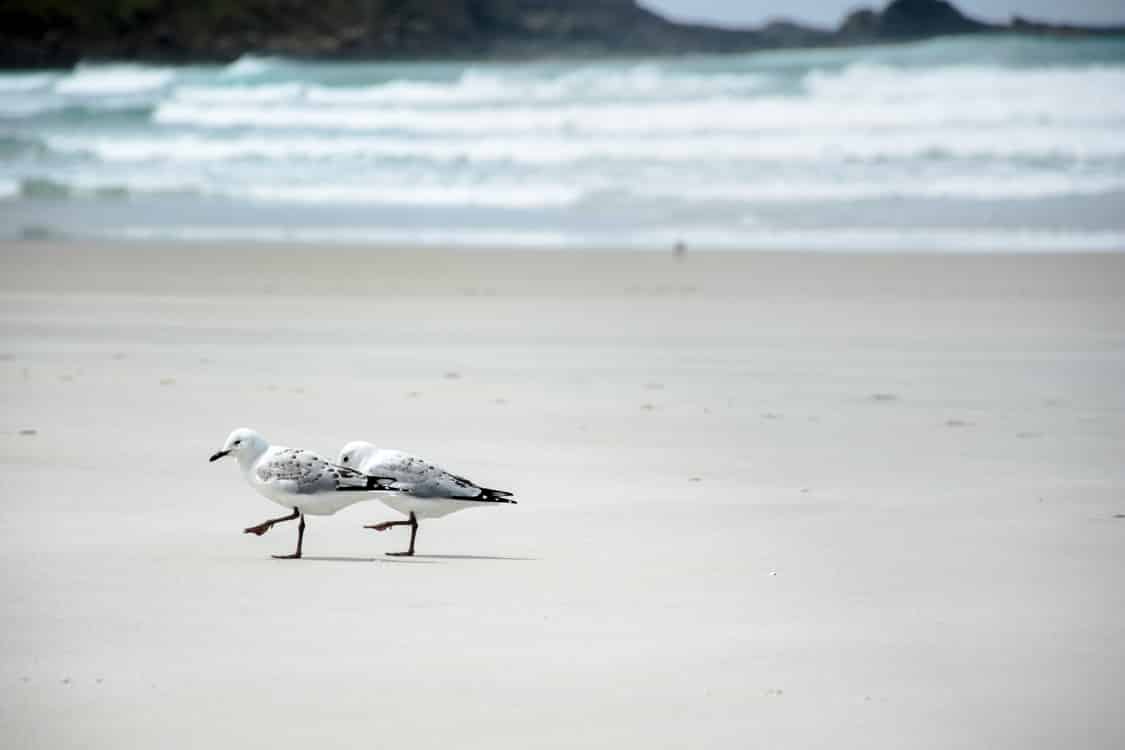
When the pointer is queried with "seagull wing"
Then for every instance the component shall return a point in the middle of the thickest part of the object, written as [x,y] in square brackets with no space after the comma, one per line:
[304,472]
[424,479]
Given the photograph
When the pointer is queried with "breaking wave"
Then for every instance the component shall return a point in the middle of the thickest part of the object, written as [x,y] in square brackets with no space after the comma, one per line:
[955,131]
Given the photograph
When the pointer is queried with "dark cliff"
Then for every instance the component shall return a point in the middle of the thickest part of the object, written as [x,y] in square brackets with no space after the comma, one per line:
[60,32]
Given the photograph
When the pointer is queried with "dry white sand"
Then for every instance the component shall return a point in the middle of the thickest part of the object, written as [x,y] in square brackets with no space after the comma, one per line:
[790,501]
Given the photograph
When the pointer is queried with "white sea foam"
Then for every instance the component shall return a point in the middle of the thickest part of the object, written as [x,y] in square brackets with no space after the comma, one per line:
[590,191]
[113,80]
[717,115]
[86,184]
[646,100]
[488,194]
[841,239]
[819,146]
[469,88]
[872,84]
[259,94]
[359,234]
[505,194]
[9,188]
[249,66]
[22,82]
[962,83]
[29,104]
[523,195]
[481,87]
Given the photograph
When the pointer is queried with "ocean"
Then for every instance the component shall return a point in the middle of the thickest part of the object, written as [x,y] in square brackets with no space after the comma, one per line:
[988,143]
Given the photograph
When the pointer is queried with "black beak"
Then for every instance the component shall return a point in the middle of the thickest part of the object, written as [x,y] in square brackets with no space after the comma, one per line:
[217,456]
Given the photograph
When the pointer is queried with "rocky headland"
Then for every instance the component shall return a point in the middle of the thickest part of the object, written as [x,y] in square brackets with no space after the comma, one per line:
[54,33]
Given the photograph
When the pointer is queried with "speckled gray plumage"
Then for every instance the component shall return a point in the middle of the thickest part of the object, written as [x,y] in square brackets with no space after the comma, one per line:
[308,472]
[424,479]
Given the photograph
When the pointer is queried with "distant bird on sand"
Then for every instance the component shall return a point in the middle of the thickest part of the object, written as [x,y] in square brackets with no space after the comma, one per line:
[427,491]
[299,480]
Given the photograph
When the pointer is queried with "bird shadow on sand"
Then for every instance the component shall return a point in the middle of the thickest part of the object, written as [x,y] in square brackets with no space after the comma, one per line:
[474,557]
[334,558]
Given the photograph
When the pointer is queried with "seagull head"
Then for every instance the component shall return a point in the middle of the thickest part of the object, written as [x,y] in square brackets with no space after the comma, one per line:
[355,454]
[242,444]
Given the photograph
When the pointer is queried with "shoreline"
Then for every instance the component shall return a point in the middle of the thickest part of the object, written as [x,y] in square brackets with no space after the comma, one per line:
[309,269]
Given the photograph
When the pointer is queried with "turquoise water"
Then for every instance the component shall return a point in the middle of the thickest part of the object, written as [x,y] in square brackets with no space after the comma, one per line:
[958,144]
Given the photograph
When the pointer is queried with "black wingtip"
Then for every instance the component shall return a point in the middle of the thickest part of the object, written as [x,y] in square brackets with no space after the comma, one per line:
[496,496]
[380,483]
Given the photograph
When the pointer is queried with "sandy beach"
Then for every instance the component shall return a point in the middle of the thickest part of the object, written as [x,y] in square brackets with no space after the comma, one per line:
[766,500]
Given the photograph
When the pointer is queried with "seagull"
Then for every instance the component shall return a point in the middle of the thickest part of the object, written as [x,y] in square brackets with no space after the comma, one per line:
[426,490]
[297,479]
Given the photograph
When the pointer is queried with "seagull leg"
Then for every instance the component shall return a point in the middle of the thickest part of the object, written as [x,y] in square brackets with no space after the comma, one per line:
[300,538]
[413,523]
[265,526]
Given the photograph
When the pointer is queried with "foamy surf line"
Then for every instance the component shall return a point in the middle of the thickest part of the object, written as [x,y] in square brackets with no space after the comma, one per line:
[827,145]
[576,194]
[924,240]
[778,114]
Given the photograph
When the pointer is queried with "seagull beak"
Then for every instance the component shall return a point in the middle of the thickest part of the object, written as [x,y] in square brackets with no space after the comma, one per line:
[217,456]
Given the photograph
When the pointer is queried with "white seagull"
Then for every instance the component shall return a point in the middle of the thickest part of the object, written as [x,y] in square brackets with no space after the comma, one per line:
[427,491]
[297,479]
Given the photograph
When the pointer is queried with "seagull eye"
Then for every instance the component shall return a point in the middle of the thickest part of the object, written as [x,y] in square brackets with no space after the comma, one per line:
[345,459]
[236,442]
